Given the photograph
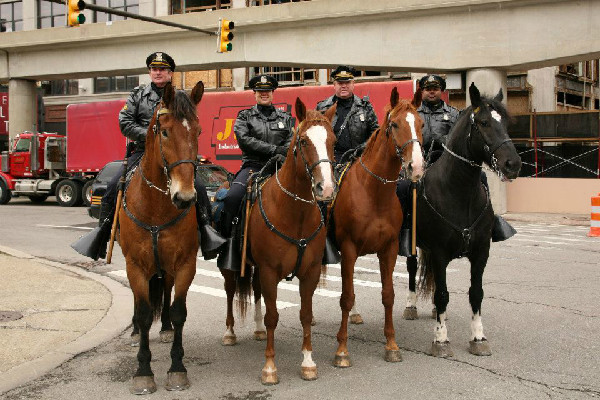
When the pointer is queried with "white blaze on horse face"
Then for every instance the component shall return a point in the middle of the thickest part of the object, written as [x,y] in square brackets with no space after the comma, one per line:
[308,361]
[441,332]
[417,155]
[318,136]
[186,124]
[476,327]
[496,116]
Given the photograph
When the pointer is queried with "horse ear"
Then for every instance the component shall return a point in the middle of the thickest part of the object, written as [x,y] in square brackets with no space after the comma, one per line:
[417,97]
[300,110]
[197,92]
[394,97]
[499,96]
[474,95]
[168,95]
[330,113]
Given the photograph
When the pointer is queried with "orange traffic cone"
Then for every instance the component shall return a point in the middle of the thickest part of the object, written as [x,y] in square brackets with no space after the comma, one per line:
[595,217]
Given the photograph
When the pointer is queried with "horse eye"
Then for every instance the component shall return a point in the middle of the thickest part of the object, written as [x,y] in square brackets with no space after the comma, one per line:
[484,123]
[303,142]
[164,133]
[393,125]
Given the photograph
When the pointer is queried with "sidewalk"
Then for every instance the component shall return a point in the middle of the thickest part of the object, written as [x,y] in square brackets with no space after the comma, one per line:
[50,312]
[544,218]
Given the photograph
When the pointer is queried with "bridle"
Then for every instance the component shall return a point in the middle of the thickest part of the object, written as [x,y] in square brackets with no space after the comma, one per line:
[399,152]
[490,150]
[309,169]
[167,168]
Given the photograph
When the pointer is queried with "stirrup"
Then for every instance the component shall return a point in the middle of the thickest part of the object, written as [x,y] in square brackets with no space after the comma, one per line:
[331,254]
[405,237]
[502,230]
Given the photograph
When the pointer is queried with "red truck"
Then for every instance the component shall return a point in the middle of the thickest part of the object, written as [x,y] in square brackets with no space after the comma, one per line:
[38,165]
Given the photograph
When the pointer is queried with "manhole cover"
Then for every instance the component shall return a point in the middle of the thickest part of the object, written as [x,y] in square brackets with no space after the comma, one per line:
[6,316]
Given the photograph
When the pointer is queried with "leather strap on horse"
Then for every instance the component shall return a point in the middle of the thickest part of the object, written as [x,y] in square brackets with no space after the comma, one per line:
[154,230]
[300,244]
[465,233]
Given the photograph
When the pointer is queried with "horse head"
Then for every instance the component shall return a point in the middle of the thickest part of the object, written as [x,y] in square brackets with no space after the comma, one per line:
[489,140]
[313,149]
[403,125]
[173,142]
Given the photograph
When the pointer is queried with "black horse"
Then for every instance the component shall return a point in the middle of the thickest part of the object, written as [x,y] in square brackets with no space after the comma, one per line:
[454,213]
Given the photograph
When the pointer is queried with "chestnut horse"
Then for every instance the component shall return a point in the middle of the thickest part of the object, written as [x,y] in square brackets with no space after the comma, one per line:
[158,229]
[367,214]
[286,235]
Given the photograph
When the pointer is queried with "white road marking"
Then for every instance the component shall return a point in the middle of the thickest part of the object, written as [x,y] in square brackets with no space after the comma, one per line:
[83,228]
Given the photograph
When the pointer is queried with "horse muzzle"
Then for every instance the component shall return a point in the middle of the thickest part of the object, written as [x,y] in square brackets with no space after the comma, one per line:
[324,191]
[183,200]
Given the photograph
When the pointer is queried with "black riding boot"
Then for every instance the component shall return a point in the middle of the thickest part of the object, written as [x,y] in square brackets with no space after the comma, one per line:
[501,230]
[229,256]
[406,237]
[210,240]
[94,244]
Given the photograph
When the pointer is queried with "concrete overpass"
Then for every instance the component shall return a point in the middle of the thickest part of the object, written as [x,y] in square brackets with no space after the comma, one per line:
[392,35]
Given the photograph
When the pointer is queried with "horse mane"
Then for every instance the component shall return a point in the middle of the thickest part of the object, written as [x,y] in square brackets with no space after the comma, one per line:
[182,107]
[403,105]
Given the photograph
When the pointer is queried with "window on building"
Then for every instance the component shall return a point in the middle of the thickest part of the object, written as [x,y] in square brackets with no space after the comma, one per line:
[109,84]
[60,87]
[287,75]
[130,6]
[11,16]
[186,6]
[51,14]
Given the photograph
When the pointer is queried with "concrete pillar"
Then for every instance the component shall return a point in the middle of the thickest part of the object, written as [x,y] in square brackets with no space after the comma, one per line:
[543,88]
[489,82]
[22,110]
[30,8]
[238,75]
[323,77]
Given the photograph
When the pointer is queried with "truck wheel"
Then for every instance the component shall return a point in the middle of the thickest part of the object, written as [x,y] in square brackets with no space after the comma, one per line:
[68,193]
[38,198]
[5,193]
[86,193]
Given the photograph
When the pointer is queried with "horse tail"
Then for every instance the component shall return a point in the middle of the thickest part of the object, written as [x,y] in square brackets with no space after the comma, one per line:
[156,286]
[243,289]
[426,279]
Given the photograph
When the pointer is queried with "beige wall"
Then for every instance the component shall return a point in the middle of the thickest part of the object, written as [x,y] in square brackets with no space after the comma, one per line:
[551,195]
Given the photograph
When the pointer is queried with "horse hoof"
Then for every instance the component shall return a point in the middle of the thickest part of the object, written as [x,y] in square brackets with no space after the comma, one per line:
[410,313]
[342,361]
[167,336]
[441,350]
[356,319]
[434,313]
[229,340]
[135,340]
[143,385]
[393,355]
[269,377]
[177,381]
[309,373]
[480,347]
[260,335]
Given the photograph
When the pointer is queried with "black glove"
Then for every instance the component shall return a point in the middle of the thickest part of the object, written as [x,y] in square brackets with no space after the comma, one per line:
[279,158]
[281,150]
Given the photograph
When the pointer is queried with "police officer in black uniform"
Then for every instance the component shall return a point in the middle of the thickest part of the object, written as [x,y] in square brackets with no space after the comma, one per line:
[134,119]
[438,119]
[262,132]
[355,119]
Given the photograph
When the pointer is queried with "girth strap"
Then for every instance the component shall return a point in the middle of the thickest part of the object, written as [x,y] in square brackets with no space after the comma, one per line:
[299,243]
[154,230]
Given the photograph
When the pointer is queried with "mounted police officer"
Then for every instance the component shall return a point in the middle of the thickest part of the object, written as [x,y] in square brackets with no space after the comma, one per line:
[438,120]
[134,119]
[262,132]
[355,119]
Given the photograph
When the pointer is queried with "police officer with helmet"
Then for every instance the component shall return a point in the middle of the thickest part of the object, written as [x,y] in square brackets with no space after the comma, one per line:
[355,119]
[134,120]
[438,120]
[262,132]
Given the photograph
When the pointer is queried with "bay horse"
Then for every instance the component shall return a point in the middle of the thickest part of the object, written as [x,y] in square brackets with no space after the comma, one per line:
[367,214]
[454,212]
[286,235]
[158,230]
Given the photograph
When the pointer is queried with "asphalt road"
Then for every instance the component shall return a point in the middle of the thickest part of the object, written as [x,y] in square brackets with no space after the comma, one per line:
[540,314]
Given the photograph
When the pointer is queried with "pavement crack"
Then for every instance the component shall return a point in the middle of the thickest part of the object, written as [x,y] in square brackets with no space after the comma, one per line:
[571,310]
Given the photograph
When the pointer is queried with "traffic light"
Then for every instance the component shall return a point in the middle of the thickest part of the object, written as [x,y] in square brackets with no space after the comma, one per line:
[224,35]
[74,12]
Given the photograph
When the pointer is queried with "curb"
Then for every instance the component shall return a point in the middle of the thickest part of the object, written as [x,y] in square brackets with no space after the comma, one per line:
[116,320]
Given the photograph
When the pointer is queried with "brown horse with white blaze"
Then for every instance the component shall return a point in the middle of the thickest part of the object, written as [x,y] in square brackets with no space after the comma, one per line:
[286,233]
[158,229]
[367,214]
